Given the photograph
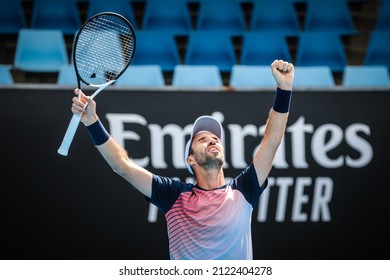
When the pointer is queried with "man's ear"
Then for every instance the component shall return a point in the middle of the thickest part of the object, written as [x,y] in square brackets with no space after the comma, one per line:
[191,160]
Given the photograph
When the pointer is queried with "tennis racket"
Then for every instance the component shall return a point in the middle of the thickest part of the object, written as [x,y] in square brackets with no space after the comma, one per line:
[102,50]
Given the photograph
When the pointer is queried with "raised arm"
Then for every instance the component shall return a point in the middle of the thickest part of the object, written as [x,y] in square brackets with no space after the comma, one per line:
[283,73]
[115,155]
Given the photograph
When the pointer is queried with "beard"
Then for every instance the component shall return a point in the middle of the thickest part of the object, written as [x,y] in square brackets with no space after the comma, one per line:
[208,162]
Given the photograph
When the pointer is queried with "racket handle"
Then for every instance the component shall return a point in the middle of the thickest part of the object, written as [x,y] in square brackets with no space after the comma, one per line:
[69,135]
[74,123]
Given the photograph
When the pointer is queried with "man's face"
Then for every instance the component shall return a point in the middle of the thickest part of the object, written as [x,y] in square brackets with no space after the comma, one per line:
[208,151]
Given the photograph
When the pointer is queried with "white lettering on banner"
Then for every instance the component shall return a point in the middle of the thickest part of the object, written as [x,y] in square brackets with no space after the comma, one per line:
[118,132]
[320,148]
[321,145]
[237,143]
[157,134]
[318,201]
[325,139]
[360,145]
[298,130]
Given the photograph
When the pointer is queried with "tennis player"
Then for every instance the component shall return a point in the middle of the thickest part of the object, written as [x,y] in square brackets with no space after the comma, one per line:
[210,219]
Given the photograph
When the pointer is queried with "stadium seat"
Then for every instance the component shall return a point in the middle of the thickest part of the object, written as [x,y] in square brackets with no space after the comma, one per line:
[366,76]
[167,16]
[221,15]
[12,17]
[329,16]
[264,17]
[123,7]
[321,49]
[210,47]
[249,76]
[196,76]
[313,76]
[262,48]
[383,18]
[40,50]
[5,75]
[60,14]
[67,76]
[142,76]
[378,51]
[155,47]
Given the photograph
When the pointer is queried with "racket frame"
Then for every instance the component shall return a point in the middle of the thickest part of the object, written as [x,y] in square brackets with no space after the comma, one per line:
[76,118]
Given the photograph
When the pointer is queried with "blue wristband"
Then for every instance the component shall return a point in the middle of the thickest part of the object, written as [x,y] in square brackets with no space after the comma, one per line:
[98,133]
[282,100]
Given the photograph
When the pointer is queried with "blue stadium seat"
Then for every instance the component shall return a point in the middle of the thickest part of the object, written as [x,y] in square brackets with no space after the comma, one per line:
[197,76]
[221,15]
[167,16]
[40,50]
[211,47]
[329,16]
[383,18]
[366,76]
[142,76]
[12,17]
[249,76]
[5,75]
[378,51]
[321,49]
[313,76]
[67,76]
[262,48]
[123,7]
[60,14]
[265,18]
[155,47]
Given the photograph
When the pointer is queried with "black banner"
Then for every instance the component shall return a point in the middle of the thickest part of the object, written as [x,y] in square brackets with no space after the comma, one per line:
[327,195]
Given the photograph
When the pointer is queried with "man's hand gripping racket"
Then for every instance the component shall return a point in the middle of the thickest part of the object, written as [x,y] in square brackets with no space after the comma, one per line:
[102,50]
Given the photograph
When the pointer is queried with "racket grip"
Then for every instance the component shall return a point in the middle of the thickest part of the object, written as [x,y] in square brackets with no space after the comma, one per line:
[69,135]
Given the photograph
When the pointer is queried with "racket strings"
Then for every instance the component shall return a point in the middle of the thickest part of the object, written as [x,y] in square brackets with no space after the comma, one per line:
[117,26]
[104,49]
